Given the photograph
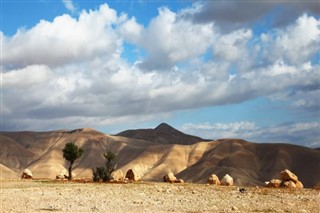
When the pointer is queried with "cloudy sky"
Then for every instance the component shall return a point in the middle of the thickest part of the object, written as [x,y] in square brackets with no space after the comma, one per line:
[215,69]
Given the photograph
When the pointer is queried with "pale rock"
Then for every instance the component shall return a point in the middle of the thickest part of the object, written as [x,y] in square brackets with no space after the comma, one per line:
[26,174]
[179,181]
[227,180]
[299,185]
[213,179]
[287,175]
[288,184]
[59,177]
[169,177]
[63,175]
[117,175]
[274,183]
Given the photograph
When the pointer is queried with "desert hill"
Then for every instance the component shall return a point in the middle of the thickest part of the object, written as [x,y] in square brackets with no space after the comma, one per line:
[154,152]
[163,134]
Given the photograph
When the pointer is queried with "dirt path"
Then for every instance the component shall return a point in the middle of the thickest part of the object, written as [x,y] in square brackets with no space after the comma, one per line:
[49,196]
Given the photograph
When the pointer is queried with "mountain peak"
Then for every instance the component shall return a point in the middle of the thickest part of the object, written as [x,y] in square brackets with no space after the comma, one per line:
[164,127]
[163,134]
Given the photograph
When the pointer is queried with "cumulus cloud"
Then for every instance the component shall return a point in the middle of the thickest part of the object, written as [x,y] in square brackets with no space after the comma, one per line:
[64,40]
[304,133]
[169,40]
[71,70]
[295,43]
[232,47]
[26,77]
[131,30]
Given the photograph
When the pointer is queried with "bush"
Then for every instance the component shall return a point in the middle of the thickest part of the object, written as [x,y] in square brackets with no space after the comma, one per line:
[104,172]
[100,173]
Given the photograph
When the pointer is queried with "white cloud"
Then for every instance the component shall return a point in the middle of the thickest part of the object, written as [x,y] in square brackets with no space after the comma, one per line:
[271,79]
[170,40]
[131,30]
[71,69]
[296,43]
[26,77]
[69,5]
[303,133]
[64,40]
[233,46]
[280,68]
[221,130]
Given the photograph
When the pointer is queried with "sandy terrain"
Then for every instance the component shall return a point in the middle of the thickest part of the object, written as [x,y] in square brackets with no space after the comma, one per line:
[54,196]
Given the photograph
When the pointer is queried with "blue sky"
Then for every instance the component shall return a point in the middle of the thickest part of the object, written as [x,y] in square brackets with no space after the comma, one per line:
[216,69]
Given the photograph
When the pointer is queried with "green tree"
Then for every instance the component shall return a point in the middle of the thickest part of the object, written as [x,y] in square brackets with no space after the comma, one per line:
[104,173]
[71,153]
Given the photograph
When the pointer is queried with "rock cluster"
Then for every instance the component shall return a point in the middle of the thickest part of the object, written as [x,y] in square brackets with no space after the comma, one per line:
[170,178]
[288,180]
[227,180]
[26,174]
[62,175]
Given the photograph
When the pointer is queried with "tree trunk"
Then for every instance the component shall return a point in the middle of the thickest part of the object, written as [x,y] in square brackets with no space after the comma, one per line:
[70,171]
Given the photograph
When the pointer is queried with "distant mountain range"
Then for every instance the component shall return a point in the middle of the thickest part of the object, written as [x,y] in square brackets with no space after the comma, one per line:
[154,152]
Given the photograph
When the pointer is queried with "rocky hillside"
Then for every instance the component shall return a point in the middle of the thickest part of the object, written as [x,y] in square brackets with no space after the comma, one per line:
[154,152]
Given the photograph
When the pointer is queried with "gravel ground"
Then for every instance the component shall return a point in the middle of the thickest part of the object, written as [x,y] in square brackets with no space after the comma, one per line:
[54,196]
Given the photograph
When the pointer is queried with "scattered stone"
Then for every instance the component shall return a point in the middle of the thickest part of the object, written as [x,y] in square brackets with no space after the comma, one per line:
[151,197]
[179,181]
[234,208]
[132,175]
[242,190]
[274,183]
[299,185]
[288,184]
[169,177]
[227,180]
[63,175]
[117,175]
[26,174]
[288,180]
[213,179]
[59,177]
[287,175]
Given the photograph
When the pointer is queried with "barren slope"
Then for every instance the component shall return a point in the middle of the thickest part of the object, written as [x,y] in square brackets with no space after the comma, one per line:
[248,163]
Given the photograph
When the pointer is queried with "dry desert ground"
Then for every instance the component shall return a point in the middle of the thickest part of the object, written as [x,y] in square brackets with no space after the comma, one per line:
[54,196]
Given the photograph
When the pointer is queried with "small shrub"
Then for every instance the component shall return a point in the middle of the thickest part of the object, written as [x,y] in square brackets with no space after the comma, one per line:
[104,172]
[100,173]
[95,175]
